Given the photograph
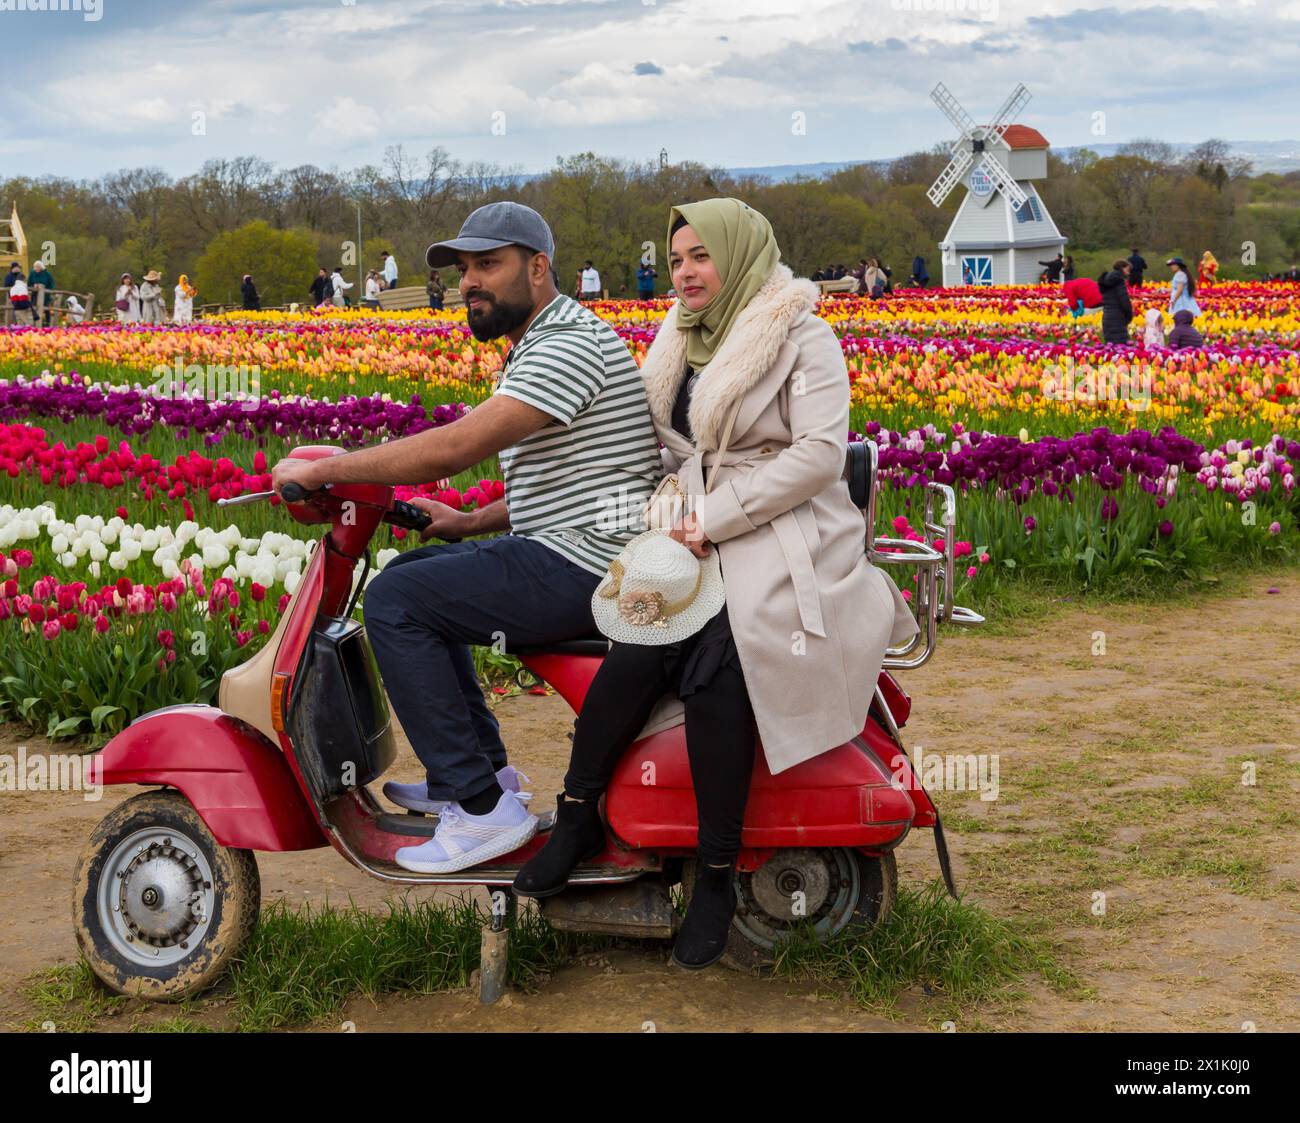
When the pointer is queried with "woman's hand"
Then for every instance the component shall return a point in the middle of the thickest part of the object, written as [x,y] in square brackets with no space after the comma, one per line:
[689,534]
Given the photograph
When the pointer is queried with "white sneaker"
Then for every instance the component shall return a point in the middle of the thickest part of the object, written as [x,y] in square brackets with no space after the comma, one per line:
[415,797]
[463,840]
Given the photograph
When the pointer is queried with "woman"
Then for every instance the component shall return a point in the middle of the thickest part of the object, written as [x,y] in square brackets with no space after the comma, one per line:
[1116,304]
[127,301]
[248,290]
[152,308]
[1206,270]
[373,288]
[436,289]
[183,301]
[744,379]
[1067,270]
[1182,289]
[874,280]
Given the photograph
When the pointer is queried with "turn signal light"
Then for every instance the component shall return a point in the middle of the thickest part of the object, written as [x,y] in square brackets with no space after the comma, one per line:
[279,684]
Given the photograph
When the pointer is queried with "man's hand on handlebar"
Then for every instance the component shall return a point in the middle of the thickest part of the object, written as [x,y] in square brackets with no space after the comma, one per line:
[444,522]
[304,473]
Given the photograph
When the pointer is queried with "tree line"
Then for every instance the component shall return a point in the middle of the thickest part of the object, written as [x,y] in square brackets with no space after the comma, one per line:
[246,215]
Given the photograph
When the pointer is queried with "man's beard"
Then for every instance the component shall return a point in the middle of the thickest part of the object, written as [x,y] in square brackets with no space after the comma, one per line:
[500,317]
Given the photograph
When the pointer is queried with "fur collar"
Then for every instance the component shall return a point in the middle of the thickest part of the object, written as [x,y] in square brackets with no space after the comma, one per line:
[745,356]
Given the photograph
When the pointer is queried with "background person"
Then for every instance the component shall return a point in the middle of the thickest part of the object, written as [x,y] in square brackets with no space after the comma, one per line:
[436,290]
[1206,270]
[1182,289]
[40,284]
[183,301]
[339,287]
[388,269]
[248,291]
[152,308]
[127,301]
[645,281]
[590,282]
[1137,266]
[1116,304]
[320,288]
[1184,334]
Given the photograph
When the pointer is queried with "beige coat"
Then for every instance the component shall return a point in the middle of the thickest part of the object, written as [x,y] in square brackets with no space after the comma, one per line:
[810,615]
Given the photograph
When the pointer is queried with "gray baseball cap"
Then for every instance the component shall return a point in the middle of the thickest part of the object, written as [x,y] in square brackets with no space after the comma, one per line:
[491,227]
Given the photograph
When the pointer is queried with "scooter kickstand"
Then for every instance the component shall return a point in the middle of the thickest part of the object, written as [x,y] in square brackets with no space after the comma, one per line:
[494,948]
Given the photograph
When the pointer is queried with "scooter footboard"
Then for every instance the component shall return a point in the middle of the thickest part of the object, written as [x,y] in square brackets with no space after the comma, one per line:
[238,782]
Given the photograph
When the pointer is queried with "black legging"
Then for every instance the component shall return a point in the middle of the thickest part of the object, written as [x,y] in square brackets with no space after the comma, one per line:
[719,738]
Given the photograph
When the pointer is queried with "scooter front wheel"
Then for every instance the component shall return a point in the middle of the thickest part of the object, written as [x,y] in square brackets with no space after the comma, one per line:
[160,907]
[831,888]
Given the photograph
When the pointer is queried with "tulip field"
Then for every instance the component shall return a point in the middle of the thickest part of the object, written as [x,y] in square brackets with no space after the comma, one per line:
[1079,465]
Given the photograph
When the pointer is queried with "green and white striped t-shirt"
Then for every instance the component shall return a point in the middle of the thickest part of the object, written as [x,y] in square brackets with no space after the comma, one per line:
[578,484]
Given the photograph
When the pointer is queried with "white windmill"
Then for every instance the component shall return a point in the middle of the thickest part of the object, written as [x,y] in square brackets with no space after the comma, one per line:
[991,244]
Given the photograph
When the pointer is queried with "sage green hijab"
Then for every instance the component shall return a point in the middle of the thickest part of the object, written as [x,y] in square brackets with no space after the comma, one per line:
[741,243]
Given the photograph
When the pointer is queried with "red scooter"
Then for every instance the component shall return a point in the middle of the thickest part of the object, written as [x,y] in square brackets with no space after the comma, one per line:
[167,887]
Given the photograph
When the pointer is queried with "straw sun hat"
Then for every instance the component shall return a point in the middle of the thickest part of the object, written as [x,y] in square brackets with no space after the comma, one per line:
[657,591]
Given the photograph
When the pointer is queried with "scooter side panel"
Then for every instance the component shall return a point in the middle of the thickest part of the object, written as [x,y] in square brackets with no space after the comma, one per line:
[844,797]
[236,779]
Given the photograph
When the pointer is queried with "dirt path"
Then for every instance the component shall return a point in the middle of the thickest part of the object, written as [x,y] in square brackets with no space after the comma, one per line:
[1122,737]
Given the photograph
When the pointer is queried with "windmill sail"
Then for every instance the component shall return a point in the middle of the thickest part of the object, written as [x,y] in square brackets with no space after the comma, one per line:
[1018,99]
[1010,189]
[950,176]
[942,97]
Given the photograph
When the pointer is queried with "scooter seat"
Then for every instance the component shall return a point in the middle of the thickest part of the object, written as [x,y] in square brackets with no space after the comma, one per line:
[594,644]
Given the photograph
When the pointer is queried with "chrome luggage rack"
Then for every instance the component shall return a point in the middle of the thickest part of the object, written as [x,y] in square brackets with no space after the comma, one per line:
[932,594]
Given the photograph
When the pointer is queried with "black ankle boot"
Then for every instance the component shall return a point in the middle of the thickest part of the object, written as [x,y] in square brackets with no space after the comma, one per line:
[578,834]
[703,936]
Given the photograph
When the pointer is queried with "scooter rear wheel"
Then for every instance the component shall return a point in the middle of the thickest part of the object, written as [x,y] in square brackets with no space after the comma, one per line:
[832,888]
[160,907]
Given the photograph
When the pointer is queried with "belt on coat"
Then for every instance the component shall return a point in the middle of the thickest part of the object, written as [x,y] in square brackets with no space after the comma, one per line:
[794,547]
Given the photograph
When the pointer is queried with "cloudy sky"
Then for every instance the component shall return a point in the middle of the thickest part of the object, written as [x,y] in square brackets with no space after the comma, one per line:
[519,82]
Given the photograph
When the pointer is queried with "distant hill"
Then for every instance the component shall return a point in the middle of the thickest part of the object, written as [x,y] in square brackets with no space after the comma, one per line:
[1266,156]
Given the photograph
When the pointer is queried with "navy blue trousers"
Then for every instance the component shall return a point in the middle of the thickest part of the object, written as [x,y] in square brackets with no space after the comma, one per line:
[426,608]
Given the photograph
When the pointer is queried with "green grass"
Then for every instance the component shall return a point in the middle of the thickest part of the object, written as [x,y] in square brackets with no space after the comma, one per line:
[952,950]
[303,965]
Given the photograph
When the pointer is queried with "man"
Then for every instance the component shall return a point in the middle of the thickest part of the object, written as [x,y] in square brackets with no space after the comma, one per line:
[388,270]
[570,421]
[1137,266]
[645,281]
[40,281]
[1052,275]
[338,288]
[590,282]
[320,288]
[14,275]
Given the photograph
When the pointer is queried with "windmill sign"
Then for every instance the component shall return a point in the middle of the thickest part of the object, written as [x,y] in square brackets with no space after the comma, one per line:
[1002,231]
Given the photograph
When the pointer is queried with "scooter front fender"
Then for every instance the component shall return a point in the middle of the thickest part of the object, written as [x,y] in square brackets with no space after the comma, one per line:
[236,779]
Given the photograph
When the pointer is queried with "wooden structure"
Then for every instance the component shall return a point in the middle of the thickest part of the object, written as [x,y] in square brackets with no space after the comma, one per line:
[416,296]
[13,242]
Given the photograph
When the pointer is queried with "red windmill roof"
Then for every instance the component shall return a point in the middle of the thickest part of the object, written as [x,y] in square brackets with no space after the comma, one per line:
[1022,136]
